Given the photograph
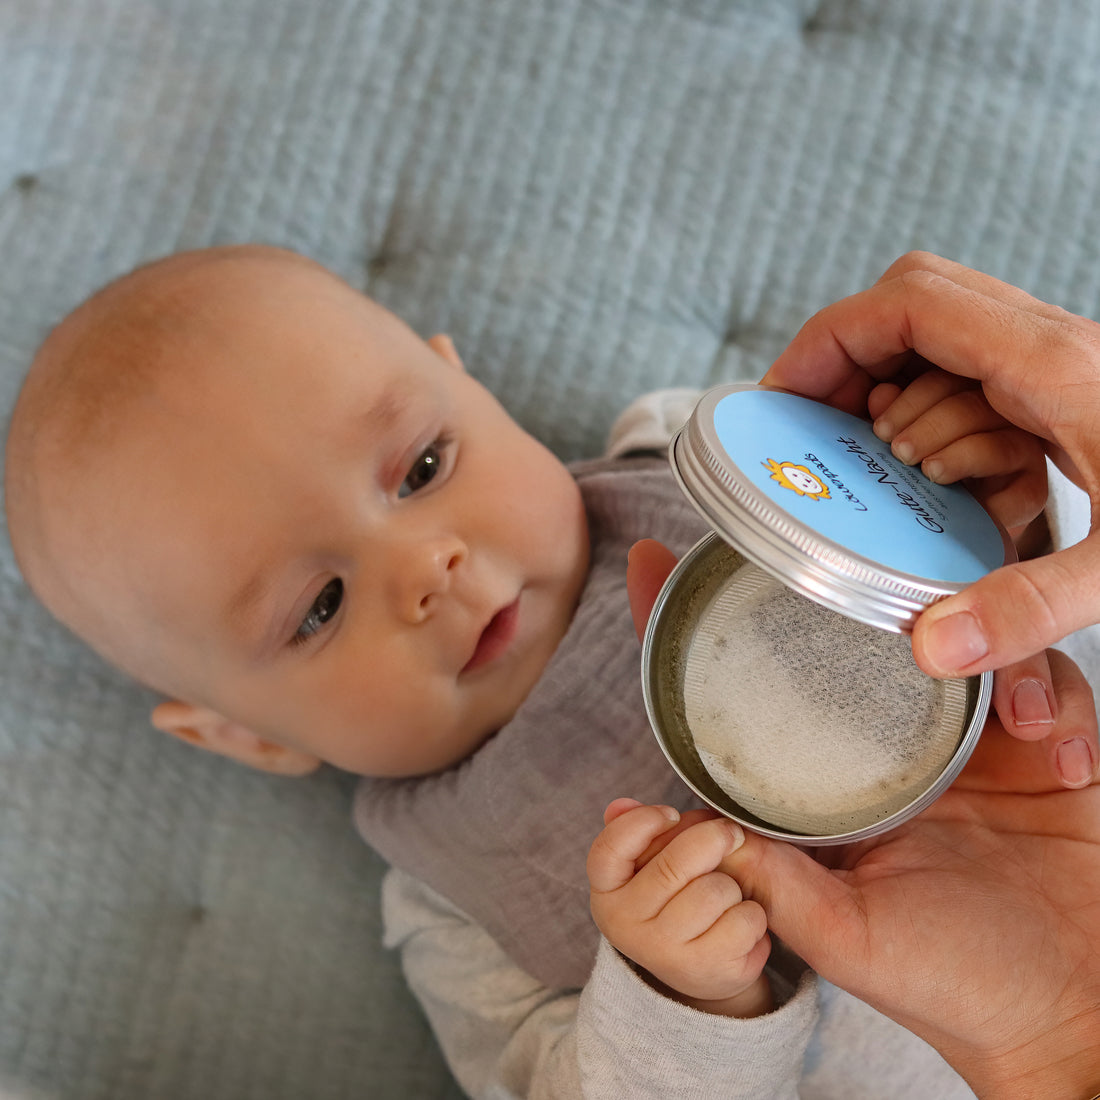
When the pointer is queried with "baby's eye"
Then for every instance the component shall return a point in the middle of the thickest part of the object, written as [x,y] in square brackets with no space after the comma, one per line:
[324,607]
[428,463]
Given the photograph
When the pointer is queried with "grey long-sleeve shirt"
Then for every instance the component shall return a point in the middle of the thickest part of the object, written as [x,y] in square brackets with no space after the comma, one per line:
[506,1036]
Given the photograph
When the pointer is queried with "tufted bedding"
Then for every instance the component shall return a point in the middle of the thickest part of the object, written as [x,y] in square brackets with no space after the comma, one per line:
[595,198]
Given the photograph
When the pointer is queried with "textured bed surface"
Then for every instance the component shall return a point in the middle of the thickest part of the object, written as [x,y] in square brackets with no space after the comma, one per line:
[594,197]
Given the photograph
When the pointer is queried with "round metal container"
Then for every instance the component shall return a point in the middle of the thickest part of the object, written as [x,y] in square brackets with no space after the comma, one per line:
[688,590]
[812,497]
[773,516]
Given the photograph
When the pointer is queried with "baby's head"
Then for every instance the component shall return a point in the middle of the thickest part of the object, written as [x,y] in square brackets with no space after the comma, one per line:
[261,494]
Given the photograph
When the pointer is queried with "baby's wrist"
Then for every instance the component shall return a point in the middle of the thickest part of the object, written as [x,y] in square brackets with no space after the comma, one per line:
[754,1000]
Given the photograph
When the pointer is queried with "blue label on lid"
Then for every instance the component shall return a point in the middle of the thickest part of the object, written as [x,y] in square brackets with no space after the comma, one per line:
[829,471]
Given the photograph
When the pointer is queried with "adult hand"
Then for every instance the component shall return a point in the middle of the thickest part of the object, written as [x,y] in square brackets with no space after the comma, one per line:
[1039,367]
[976,925]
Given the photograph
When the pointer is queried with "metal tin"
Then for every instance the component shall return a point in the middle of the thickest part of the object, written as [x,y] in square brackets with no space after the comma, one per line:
[770,533]
[760,525]
[688,589]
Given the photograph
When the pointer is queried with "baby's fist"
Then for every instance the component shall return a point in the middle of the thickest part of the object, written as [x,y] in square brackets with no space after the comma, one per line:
[658,896]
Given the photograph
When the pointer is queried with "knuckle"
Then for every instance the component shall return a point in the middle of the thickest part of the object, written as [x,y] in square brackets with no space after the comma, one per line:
[718,890]
[1037,609]
[1074,342]
[1027,453]
[667,871]
[915,260]
[971,402]
[919,280]
[755,919]
[598,853]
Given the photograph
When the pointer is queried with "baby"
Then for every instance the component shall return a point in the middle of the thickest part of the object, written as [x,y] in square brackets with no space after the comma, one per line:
[261,494]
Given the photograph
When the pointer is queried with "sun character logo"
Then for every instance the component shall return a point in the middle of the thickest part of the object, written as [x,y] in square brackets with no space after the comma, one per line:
[798,478]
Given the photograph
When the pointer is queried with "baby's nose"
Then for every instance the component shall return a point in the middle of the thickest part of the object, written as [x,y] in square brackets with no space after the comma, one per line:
[425,572]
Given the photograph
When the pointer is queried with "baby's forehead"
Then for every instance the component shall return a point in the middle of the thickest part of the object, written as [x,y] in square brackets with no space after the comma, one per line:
[113,387]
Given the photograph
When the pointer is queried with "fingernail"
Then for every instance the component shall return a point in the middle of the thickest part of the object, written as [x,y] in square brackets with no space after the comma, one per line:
[1030,705]
[904,451]
[737,836]
[932,470]
[1075,762]
[956,641]
[670,812]
[883,429]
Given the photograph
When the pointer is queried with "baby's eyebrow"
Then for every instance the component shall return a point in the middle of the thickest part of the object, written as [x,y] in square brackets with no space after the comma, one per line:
[390,407]
[240,608]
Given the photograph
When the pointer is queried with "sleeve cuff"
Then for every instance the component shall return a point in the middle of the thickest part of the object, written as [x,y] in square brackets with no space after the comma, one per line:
[700,1055]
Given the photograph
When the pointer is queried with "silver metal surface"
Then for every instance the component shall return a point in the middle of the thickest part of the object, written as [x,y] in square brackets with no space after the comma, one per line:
[687,591]
[801,557]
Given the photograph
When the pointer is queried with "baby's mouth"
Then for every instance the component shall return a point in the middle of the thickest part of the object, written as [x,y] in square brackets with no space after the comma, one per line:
[496,637]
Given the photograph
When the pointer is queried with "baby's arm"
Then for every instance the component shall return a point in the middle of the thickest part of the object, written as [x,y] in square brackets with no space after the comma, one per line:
[944,423]
[658,896]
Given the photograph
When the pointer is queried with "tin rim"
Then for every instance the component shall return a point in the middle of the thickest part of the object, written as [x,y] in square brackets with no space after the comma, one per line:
[683,591]
[801,557]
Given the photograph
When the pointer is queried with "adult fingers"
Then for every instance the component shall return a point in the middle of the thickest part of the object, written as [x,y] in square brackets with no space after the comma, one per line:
[1012,613]
[1025,699]
[811,908]
[919,401]
[1047,754]
[647,566]
[1037,363]
[1003,453]
[974,280]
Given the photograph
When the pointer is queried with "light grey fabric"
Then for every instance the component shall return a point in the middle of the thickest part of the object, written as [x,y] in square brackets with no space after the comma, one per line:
[507,1036]
[595,197]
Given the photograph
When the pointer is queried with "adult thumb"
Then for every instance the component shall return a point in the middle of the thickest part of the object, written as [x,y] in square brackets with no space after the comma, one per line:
[1011,614]
[812,909]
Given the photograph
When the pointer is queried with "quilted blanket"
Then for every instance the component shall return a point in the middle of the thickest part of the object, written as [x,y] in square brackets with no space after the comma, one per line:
[595,198]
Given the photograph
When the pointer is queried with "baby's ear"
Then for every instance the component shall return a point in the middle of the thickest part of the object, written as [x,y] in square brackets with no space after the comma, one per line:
[209,730]
[444,347]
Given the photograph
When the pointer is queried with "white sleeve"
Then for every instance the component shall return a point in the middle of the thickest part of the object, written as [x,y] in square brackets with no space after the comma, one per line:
[506,1037]
[649,422]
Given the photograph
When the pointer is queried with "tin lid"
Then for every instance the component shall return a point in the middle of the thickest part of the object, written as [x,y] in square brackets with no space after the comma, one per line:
[813,496]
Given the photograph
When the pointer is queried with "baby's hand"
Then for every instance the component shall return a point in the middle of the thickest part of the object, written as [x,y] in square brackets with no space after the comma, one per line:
[945,423]
[659,898]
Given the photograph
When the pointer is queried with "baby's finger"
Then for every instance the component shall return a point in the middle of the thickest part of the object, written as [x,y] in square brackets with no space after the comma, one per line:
[611,859]
[691,817]
[695,852]
[619,806]
[702,902]
[733,949]
[741,932]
